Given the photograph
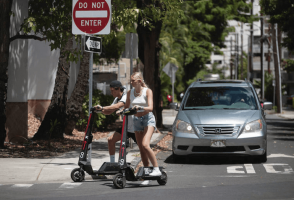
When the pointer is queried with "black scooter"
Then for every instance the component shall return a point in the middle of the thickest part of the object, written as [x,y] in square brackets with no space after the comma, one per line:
[126,172]
[107,168]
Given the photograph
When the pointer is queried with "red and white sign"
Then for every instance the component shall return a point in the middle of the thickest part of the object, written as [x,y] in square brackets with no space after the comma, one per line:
[91,17]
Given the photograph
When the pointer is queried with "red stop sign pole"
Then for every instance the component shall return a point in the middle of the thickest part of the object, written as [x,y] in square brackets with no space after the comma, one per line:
[91,16]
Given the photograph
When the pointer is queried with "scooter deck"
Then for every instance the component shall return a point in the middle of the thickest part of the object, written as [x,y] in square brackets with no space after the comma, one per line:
[108,168]
[143,173]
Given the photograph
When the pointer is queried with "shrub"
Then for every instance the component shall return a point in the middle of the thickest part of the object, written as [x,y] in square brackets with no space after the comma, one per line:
[101,121]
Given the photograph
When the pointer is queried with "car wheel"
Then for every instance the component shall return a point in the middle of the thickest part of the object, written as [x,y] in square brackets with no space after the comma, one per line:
[177,158]
[262,158]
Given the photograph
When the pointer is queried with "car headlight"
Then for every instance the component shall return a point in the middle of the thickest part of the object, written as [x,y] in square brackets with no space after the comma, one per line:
[253,126]
[184,127]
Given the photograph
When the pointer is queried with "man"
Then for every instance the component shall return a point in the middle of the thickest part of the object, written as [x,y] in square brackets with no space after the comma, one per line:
[116,89]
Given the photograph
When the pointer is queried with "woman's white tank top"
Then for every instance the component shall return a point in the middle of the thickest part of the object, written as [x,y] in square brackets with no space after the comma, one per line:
[140,100]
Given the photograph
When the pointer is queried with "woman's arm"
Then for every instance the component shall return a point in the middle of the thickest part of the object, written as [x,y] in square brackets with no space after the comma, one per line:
[149,100]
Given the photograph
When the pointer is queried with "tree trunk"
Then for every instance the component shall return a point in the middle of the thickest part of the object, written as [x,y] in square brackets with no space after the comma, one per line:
[5,7]
[57,108]
[149,48]
[74,104]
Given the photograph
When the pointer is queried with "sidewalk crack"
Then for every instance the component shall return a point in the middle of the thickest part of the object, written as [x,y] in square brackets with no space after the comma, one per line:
[42,169]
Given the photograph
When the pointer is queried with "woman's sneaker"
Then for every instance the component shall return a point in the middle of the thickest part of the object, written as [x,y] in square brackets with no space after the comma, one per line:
[146,182]
[155,172]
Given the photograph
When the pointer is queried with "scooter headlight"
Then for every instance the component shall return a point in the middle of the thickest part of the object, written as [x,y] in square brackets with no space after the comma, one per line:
[253,126]
[183,127]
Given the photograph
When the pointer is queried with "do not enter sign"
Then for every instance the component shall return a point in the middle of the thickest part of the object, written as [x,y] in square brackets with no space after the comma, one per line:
[91,16]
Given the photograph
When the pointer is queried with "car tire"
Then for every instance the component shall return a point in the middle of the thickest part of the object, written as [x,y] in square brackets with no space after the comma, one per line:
[262,158]
[177,158]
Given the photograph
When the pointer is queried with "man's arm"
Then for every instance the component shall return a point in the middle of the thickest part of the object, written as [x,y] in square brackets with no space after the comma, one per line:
[107,110]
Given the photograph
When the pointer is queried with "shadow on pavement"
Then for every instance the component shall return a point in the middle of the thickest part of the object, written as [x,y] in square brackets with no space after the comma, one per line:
[211,160]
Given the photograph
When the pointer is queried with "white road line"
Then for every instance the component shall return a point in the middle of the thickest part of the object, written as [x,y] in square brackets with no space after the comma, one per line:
[233,170]
[69,185]
[21,185]
[269,167]
[249,168]
[279,156]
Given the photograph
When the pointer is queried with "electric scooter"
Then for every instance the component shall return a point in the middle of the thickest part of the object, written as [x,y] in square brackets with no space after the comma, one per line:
[107,168]
[126,172]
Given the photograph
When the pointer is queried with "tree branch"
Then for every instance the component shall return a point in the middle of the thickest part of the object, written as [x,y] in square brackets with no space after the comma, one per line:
[26,37]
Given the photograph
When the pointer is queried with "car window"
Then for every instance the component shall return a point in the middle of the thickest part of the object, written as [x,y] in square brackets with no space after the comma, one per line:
[220,98]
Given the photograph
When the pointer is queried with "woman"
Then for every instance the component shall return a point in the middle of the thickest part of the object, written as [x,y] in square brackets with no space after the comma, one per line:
[141,97]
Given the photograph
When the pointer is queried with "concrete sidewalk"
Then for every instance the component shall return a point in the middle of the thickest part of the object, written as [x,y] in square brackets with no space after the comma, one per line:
[287,113]
[58,169]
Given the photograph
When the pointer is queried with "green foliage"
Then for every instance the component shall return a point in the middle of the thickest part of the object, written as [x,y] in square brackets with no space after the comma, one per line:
[282,13]
[101,121]
[53,20]
[268,86]
[245,61]
[288,65]
[189,40]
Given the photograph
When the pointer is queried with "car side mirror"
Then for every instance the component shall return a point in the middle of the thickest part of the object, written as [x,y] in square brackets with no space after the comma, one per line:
[267,105]
[174,106]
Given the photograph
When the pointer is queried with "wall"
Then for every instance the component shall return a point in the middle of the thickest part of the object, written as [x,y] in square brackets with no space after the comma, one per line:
[16,107]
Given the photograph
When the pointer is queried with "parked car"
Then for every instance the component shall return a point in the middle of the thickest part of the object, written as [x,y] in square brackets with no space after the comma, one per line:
[220,117]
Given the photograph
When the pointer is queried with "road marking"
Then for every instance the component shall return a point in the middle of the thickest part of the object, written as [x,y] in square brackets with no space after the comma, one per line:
[69,185]
[269,167]
[279,156]
[233,170]
[21,185]
[249,168]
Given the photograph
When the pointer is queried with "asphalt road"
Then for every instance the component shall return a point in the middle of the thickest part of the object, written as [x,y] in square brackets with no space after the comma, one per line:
[207,177]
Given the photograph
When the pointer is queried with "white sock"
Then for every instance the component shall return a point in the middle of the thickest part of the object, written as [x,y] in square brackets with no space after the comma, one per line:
[112,158]
[156,168]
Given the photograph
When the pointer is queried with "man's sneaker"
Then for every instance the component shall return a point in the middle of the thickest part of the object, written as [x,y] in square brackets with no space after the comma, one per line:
[146,182]
[155,172]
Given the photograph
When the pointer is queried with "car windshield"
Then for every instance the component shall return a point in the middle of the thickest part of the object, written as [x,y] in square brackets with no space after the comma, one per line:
[231,98]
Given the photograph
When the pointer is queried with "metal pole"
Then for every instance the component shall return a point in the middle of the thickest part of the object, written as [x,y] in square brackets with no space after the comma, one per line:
[90,80]
[261,58]
[251,46]
[131,57]
[173,74]
[279,70]
[269,53]
[236,56]
[241,72]
[118,70]
[231,64]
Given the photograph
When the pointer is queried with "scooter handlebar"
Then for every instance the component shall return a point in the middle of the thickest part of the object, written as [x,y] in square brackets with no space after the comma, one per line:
[93,109]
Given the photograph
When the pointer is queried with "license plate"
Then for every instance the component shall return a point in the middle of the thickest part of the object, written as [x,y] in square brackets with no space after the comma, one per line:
[218,143]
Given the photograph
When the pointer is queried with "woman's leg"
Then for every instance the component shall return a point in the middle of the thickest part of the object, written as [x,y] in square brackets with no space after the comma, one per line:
[139,138]
[148,131]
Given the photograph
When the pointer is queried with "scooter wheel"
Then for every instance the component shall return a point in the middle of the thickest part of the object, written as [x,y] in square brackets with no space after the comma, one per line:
[77,175]
[163,179]
[119,181]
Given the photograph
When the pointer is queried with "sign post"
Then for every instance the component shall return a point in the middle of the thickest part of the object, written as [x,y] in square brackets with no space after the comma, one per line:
[91,17]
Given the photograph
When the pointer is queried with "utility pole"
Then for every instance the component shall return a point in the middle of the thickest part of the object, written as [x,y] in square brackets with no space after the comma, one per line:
[277,68]
[237,52]
[241,72]
[251,46]
[269,53]
[231,61]
[261,57]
